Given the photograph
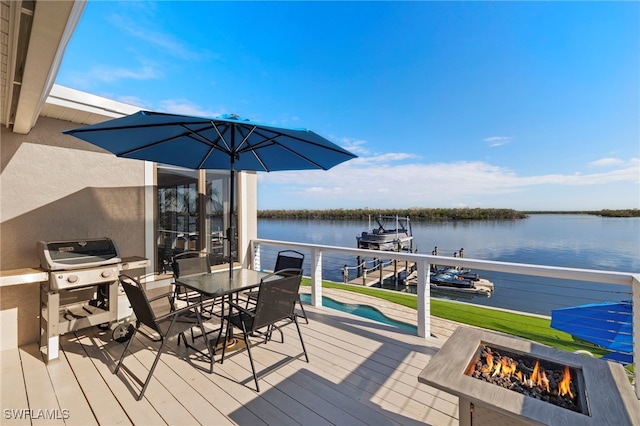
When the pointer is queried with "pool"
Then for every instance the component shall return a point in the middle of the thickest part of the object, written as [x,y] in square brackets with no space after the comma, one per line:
[364,311]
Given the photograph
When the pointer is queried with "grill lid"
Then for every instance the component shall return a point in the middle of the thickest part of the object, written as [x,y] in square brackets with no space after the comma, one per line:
[76,254]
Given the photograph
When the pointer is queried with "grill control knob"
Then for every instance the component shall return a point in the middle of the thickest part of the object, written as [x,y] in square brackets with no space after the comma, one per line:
[105,274]
[72,279]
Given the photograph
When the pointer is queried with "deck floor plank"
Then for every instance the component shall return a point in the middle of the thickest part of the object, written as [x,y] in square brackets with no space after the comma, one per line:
[190,399]
[338,394]
[269,406]
[13,391]
[359,385]
[40,390]
[360,372]
[216,390]
[302,400]
[103,402]
[370,378]
[136,367]
[70,394]
[105,353]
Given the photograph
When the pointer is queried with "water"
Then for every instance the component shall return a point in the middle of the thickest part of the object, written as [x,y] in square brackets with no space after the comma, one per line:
[576,241]
[364,311]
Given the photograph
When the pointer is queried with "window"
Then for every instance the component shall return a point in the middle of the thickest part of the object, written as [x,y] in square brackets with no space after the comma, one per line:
[184,211]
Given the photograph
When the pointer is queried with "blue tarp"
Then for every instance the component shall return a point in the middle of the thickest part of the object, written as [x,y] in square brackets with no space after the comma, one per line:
[608,325]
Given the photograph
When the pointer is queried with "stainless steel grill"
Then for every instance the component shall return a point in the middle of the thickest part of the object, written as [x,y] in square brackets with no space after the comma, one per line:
[79,263]
[82,290]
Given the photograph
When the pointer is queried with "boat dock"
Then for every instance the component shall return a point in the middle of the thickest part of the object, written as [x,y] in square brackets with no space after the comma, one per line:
[379,272]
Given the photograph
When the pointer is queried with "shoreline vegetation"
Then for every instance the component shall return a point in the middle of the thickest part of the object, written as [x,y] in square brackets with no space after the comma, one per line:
[429,214]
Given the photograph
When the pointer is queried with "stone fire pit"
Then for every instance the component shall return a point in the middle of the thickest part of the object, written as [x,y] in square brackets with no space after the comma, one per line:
[609,395]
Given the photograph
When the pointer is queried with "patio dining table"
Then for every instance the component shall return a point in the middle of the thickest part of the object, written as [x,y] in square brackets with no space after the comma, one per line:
[221,284]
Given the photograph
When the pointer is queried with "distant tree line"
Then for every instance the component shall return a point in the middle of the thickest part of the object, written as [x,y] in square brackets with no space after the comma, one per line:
[603,212]
[416,214]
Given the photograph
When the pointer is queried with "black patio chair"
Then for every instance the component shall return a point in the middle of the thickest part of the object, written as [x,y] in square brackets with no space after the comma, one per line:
[160,316]
[274,308]
[193,263]
[287,259]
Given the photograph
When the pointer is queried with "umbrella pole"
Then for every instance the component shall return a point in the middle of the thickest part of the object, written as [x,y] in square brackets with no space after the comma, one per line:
[230,233]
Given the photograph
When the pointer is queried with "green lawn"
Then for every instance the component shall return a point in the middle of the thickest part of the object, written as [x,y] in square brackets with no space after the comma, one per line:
[522,325]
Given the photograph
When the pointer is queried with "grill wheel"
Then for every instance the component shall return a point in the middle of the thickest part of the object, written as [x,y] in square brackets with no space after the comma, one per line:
[122,332]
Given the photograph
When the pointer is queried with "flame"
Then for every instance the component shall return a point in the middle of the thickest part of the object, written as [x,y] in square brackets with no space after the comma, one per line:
[545,381]
[563,386]
[534,374]
[497,370]
[507,367]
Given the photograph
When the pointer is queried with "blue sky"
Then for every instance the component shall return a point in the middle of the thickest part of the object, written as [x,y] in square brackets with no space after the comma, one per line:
[524,105]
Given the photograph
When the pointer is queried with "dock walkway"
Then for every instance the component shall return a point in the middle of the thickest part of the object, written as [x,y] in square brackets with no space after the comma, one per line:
[374,276]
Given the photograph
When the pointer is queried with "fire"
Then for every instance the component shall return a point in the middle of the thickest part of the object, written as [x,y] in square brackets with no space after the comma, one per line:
[534,375]
[563,386]
[507,367]
[545,382]
[539,377]
[489,361]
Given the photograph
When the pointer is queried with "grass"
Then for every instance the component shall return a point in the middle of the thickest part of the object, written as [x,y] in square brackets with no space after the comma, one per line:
[535,328]
[526,326]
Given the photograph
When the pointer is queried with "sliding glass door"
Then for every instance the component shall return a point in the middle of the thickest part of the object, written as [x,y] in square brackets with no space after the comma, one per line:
[192,214]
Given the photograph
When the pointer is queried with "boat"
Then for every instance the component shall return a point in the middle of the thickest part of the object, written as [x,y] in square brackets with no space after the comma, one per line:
[392,233]
[460,283]
[459,273]
[455,282]
[451,280]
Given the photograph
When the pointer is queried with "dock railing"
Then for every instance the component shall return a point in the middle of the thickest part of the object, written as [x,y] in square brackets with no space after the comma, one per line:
[317,255]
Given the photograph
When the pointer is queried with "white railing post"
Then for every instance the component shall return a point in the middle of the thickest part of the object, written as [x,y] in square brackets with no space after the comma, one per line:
[635,290]
[424,302]
[316,277]
[256,257]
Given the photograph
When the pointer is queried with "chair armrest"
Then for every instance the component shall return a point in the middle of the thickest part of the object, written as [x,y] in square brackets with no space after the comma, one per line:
[179,311]
[160,296]
[241,309]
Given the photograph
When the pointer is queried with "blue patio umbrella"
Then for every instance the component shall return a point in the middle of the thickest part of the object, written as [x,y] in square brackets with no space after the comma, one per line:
[226,142]
[608,325]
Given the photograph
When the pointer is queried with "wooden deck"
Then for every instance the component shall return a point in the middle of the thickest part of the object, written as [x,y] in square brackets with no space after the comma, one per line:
[360,373]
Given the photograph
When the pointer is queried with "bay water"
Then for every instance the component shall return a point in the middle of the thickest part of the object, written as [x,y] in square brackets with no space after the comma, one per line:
[568,240]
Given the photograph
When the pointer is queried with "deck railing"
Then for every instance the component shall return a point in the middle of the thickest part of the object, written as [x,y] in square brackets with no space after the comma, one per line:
[318,255]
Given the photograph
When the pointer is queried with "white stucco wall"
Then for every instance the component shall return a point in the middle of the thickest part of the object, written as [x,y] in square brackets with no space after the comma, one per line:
[55,187]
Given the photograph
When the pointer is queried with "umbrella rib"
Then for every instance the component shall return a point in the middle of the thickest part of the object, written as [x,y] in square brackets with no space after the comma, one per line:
[269,142]
[244,139]
[309,142]
[191,133]
[215,126]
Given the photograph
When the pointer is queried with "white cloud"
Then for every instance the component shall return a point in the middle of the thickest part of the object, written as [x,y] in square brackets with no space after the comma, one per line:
[160,38]
[369,181]
[382,159]
[131,100]
[357,146]
[606,162]
[494,141]
[110,74]
[184,107]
